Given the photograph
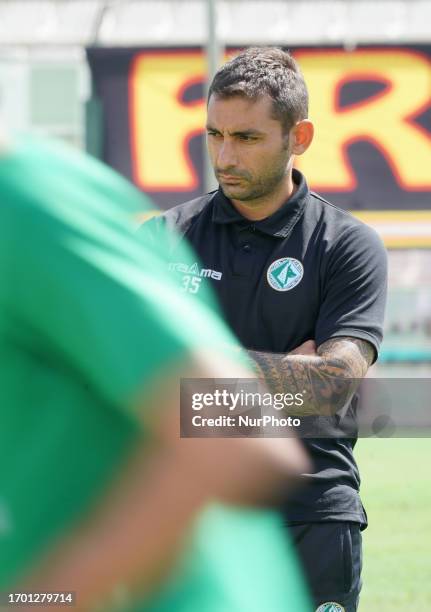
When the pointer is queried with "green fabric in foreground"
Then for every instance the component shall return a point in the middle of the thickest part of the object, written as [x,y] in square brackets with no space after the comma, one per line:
[89,315]
[238,561]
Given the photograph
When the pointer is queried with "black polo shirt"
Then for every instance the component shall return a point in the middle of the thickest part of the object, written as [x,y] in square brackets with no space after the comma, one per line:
[309,271]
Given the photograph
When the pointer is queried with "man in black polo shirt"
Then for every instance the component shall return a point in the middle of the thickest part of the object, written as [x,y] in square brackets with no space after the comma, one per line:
[302,284]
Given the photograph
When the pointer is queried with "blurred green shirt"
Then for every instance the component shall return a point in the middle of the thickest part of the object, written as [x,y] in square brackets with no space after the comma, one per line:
[88,317]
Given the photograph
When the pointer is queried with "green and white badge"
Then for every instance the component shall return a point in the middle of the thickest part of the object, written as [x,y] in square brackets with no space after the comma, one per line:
[284,274]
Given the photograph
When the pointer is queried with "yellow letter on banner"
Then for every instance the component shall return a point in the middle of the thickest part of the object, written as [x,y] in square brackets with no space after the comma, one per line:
[384,120]
[161,123]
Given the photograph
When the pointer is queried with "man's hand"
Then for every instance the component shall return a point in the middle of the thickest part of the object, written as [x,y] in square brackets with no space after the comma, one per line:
[306,348]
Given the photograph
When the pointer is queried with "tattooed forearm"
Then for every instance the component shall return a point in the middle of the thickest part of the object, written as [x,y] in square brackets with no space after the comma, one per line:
[327,380]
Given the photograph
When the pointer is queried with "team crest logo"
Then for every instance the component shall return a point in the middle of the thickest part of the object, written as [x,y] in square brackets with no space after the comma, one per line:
[284,274]
[331,606]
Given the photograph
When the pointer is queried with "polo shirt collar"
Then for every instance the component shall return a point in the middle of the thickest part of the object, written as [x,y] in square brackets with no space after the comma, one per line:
[279,224]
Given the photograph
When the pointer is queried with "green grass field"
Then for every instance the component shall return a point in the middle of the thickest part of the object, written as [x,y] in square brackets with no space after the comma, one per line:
[396,491]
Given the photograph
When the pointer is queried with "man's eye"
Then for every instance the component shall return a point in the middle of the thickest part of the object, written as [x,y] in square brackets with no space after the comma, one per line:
[247,138]
[212,133]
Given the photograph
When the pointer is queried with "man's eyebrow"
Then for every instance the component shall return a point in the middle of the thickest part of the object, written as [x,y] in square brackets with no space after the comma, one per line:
[249,132]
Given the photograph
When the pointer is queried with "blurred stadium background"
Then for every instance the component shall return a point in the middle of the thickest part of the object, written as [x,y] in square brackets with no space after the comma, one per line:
[125,79]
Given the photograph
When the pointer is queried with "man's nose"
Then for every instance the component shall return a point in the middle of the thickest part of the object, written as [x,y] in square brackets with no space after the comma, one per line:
[226,157]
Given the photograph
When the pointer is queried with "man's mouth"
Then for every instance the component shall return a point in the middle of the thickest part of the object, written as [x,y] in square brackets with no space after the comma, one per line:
[228,178]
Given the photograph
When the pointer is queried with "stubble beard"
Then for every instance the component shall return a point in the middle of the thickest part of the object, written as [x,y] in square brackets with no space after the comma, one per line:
[261,187]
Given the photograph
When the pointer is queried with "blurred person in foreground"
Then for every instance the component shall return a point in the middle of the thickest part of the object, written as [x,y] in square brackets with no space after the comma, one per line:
[98,494]
[302,285]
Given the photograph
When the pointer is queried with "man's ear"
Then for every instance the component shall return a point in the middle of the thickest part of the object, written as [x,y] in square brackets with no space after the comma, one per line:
[301,136]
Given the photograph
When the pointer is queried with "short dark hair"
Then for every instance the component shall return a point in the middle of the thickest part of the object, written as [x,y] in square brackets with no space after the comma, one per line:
[271,71]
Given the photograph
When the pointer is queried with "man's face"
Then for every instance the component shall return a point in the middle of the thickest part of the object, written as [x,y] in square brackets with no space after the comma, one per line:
[248,150]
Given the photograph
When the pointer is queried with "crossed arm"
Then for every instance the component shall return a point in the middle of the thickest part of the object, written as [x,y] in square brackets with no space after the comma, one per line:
[327,377]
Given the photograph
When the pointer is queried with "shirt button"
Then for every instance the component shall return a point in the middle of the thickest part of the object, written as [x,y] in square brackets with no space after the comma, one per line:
[246,248]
